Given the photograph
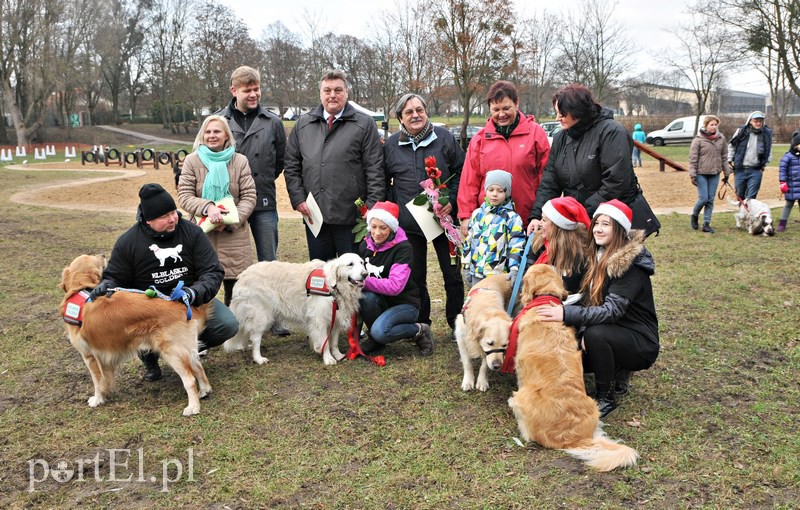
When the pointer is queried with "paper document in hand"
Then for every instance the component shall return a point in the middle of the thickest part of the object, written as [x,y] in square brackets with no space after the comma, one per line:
[314,223]
[424,218]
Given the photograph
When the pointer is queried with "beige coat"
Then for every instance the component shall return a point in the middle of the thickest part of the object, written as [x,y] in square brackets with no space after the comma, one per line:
[233,242]
[708,157]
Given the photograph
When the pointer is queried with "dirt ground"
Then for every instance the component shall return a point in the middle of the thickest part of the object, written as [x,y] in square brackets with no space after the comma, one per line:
[666,191]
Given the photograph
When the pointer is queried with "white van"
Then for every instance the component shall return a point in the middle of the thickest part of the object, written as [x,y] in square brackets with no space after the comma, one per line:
[678,131]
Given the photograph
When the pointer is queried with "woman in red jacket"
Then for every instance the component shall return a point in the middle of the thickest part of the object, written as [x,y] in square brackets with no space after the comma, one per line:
[510,141]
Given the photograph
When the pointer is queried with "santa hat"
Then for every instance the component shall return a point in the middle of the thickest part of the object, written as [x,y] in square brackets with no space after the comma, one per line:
[617,211]
[155,201]
[566,213]
[499,177]
[387,212]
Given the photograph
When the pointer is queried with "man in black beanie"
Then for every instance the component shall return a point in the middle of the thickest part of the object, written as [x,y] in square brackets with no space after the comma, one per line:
[162,249]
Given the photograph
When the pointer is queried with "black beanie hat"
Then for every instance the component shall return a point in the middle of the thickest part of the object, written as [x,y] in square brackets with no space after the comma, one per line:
[795,139]
[155,201]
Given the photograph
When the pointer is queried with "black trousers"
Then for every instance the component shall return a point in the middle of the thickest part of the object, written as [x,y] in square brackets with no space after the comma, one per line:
[451,273]
[332,241]
[610,347]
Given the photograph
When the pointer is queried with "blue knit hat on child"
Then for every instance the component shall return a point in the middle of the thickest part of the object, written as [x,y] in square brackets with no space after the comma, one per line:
[499,177]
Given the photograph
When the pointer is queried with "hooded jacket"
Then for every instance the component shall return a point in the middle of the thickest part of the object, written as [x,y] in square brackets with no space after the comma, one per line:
[337,166]
[264,146]
[496,239]
[389,267]
[135,261]
[639,134]
[594,168]
[524,155]
[789,172]
[628,298]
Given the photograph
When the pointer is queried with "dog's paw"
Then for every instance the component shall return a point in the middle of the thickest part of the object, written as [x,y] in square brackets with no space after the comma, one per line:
[467,384]
[191,410]
[205,393]
[328,359]
[260,360]
[95,401]
[483,385]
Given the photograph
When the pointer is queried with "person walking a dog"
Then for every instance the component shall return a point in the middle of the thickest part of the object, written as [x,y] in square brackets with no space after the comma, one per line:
[161,250]
[562,241]
[389,303]
[749,151]
[495,233]
[334,153]
[617,318]
[789,178]
[707,157]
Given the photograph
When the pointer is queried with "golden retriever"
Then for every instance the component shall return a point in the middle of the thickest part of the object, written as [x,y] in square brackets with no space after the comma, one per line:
[114,328]
[551,405]
[275,292]
[482,329]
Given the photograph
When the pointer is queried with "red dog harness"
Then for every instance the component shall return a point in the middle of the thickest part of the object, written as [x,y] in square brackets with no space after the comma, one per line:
[73,311]
[508,362]
[317,286]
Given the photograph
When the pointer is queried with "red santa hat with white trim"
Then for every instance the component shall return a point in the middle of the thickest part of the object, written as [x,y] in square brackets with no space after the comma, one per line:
[387,212]
[618,212]
[566,213]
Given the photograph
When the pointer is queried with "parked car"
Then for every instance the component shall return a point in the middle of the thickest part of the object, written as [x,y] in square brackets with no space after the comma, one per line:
[471,131]
[680,130]
[551,127]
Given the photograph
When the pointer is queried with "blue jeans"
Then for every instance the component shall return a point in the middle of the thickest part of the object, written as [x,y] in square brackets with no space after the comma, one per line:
[221,326]
[264,225]
[706,187]
[637,156]
[387,324]
[747,182]
[332,241]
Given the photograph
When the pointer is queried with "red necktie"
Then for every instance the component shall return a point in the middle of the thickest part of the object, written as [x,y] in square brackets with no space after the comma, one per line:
[330,122]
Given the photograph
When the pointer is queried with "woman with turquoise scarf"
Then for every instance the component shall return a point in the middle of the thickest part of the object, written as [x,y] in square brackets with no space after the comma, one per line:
[210,173]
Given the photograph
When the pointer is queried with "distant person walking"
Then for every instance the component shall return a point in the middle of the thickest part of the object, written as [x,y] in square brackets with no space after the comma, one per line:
[749,152]
[639,136]
[706,161]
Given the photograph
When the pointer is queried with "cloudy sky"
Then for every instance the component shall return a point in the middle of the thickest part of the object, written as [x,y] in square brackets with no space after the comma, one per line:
[648,23]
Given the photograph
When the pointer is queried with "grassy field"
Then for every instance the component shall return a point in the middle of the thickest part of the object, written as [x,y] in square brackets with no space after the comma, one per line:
[715,419]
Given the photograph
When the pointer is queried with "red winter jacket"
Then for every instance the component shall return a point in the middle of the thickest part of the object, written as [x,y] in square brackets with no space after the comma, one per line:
[524,155]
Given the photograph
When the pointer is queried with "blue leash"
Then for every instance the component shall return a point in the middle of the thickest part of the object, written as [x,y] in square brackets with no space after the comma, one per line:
[520,274]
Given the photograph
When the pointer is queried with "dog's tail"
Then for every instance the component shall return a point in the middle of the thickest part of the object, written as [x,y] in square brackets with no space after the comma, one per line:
[239,341]
[734,203]
[604,454]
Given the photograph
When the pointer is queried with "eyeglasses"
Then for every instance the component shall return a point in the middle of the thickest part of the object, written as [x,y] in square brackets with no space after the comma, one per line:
[419,111]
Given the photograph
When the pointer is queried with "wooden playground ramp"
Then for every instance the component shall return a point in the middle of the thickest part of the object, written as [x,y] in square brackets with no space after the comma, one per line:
[662,160]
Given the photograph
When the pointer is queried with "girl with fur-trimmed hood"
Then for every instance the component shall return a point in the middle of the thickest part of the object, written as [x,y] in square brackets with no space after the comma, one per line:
[617,320]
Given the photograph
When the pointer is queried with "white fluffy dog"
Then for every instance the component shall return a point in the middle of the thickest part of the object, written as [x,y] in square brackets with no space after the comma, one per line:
[269,293]
[755,216]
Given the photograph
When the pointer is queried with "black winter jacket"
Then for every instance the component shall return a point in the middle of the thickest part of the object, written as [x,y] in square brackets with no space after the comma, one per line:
[405,169]
[264,145]
[594,168]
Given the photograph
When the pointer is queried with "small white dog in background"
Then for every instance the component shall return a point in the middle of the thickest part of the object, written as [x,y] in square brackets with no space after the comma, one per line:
[269,293]
[755,216]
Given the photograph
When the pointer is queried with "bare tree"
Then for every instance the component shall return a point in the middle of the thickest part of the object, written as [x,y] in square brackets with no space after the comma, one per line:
[703,58]
[26,62]
[285,71]
[597,48]
[535,71]
[475,37]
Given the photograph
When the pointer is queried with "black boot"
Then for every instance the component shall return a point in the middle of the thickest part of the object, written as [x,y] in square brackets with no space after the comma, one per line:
[424,340]
[707,228]
[693,219]
[623,377]
[152,372]
[606,400]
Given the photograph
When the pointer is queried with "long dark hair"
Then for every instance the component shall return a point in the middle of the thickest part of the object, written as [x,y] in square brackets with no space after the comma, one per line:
[597,273]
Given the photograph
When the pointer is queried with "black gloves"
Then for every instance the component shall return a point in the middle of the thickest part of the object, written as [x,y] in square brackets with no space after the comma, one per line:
[725,179]
[102,289]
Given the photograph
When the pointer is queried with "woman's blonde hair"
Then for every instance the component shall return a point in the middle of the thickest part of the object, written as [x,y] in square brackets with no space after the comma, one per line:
[597,273]
[198,140]
[566,249]
[708,119]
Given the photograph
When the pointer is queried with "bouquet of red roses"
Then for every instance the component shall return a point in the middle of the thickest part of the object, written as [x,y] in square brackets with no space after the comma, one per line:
[436,195]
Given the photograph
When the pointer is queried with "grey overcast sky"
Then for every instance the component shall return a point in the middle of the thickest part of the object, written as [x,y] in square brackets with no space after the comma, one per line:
[648,24]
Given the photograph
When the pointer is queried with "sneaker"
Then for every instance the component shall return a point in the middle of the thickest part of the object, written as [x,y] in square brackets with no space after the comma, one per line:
[424,340]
